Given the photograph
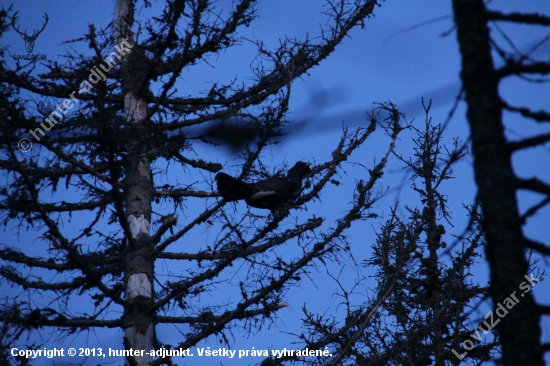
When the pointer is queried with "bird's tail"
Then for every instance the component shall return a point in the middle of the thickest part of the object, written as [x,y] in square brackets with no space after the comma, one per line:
[233,189]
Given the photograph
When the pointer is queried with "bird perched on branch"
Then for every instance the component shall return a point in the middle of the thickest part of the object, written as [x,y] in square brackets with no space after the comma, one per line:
[268,193]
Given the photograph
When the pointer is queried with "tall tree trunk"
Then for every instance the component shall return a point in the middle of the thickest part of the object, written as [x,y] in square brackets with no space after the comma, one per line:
[519,329]
[139,265]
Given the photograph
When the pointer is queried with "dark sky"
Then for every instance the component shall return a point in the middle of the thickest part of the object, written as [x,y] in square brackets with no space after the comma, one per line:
[407,51]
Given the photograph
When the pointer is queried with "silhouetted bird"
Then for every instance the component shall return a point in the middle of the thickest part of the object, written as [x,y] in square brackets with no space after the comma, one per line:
[268,193]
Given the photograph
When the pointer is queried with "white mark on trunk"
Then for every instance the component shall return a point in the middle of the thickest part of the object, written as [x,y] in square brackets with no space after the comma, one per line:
[134,108]
[143,169]
[138,225]
[138,285]
[141,341]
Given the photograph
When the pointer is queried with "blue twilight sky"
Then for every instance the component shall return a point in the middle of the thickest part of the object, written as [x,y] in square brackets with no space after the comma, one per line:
[407,51]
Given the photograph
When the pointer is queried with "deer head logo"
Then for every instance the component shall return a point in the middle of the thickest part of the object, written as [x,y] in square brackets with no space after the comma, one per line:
[29,40]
